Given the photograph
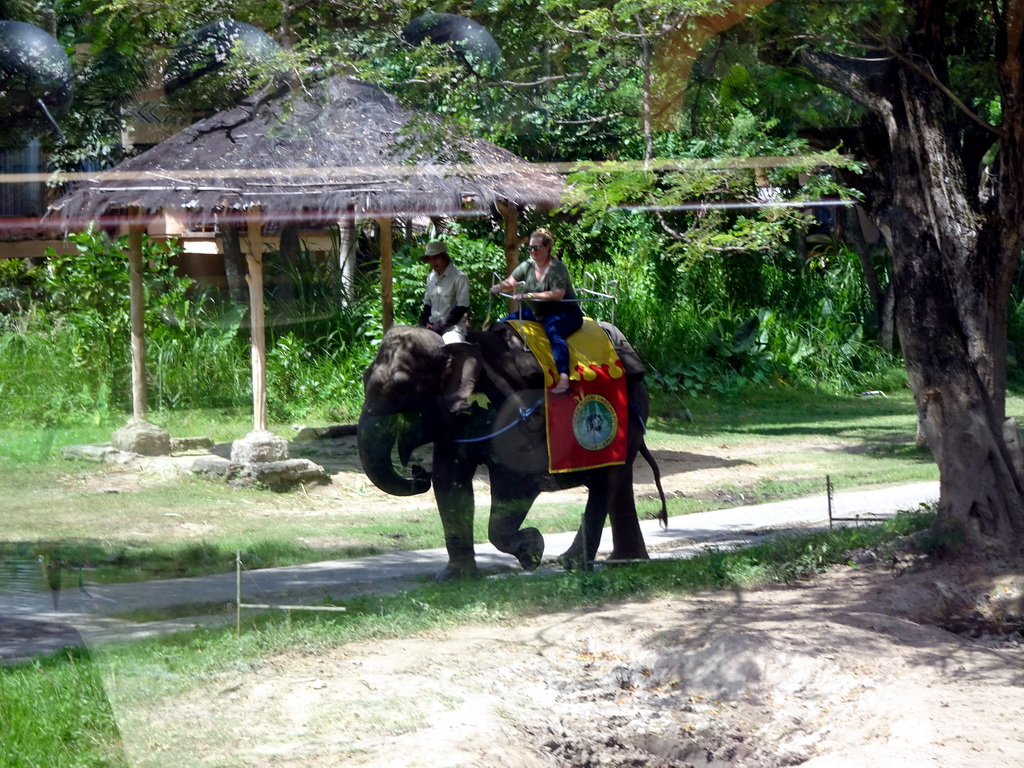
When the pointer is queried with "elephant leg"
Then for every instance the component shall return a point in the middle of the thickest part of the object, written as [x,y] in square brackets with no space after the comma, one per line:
[627,538]
[610,497]
[453,489]
[511,499]
[602,489]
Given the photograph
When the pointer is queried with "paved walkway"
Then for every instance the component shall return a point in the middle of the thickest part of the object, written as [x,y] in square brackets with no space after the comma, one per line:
[91,611]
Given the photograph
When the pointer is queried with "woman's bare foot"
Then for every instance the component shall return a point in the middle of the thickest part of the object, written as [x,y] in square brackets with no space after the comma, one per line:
[562,388]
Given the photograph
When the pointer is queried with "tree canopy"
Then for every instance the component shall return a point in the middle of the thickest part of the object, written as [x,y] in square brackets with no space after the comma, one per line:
[721,122]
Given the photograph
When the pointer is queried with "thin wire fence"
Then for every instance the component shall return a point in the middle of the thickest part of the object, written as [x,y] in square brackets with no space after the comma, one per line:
[267,605]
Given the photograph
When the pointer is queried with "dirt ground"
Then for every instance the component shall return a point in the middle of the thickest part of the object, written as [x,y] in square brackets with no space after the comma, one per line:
[735,466]
[853,668]
[846,670]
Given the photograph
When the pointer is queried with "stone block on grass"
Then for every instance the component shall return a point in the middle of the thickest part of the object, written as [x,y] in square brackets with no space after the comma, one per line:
[277,475]
[183,444]
[141,437]
[259,446]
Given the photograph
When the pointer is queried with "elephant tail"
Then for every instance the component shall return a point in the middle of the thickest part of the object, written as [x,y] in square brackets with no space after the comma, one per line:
[649,458]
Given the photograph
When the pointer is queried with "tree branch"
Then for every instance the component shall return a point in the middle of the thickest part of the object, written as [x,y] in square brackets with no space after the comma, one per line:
[857,69]
[610,36]
[538,81]
[590,120]
[665,225]
[948,93]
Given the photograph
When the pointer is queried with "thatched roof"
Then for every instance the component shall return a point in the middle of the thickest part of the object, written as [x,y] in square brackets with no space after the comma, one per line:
[311,156]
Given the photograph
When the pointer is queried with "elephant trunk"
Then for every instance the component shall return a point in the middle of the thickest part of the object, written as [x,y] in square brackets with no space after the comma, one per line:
[377,436]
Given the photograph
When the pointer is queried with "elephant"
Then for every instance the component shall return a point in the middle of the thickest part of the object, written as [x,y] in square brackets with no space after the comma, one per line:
[459,397]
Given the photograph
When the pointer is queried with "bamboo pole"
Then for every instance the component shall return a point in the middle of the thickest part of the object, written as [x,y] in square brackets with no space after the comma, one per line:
[137,314]
[254,258]
[386,287]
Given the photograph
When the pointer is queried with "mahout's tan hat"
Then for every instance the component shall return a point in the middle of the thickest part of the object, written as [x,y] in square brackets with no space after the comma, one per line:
[434,248]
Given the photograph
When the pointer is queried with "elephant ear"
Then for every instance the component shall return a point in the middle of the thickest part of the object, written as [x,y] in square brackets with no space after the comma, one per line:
[460,375]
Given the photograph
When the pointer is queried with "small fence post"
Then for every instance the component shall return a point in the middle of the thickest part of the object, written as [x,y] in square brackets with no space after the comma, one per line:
[828,490]
[587,564]
[239,605]
[238,593]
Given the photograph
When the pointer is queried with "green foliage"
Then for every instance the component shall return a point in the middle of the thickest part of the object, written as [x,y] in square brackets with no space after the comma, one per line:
[302,380]
[718,288]
[319,340]
[801,323]
[713,209]
[201,363]
[89,290]
[67,353]
[725,325]
[241,75]
[17,282]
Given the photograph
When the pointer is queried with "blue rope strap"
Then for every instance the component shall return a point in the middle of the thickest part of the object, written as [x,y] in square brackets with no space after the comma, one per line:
[524,415]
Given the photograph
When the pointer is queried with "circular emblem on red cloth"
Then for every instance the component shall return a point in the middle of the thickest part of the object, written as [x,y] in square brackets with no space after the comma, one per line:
[594,423]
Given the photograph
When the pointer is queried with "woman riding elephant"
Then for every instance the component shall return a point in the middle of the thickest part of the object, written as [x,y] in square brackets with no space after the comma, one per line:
[469,400]
[549,300]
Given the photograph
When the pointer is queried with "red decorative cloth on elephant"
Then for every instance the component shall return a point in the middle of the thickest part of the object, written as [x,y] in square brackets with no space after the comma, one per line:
[586,428]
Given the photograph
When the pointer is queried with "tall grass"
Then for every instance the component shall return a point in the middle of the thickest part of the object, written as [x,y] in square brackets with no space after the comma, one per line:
[703,325]
[42,379]
[54,712]
[738,320]
[65,350]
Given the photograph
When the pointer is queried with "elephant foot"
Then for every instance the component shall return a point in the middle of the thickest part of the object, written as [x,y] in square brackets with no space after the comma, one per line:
[531,549]
[640,554]
[572,560]
[458,573]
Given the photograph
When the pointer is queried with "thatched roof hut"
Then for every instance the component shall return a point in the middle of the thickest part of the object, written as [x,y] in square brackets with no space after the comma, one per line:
[343,147]
[339,150]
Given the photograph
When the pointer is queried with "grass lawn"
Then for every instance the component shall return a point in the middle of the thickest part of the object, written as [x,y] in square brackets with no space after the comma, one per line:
[125,526]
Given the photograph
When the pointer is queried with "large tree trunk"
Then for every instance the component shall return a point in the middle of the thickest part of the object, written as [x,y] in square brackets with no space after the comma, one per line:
[955,247]
[951,321]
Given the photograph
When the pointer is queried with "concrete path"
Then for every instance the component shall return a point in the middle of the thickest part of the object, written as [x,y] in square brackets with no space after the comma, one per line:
[91,611]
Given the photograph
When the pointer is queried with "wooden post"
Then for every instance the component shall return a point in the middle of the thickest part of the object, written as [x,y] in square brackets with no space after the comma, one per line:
[513,242]
[386,287]
[137,314]
[256,319]
[138,435]
[347,247]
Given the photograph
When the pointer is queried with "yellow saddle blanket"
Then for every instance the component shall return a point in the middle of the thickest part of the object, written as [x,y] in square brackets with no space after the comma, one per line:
[586,428]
